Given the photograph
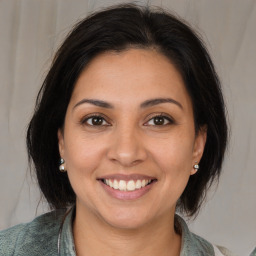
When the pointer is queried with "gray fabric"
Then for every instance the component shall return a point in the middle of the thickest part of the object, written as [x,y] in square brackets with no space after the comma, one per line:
[222,251]
[253,253]
[193,244]
[40,237]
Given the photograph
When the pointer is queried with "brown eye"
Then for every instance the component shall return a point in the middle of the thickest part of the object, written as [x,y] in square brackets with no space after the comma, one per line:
[160,120]
[95,121]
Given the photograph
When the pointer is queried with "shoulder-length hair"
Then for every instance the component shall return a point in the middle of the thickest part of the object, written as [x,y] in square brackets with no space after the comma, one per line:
[116,29]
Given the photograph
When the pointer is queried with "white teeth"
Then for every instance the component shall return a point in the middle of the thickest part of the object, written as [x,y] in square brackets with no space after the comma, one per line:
[115,185]
[122,185]
[130,185]
[138,184]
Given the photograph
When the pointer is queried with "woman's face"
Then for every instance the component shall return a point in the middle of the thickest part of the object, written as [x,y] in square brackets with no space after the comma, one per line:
[129,141]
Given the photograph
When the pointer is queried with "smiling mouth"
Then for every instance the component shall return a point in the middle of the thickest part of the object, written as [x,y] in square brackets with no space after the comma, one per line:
[129,185]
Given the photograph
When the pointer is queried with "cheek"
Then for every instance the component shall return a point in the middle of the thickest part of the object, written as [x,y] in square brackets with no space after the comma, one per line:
[175,153]
[82,153]
[83,158]
[174,158]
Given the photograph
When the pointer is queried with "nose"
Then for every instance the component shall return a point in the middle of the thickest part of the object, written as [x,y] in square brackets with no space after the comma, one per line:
[126,147]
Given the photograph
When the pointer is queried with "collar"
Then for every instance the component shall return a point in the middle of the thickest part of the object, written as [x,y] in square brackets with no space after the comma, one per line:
[191,244]
[66,245]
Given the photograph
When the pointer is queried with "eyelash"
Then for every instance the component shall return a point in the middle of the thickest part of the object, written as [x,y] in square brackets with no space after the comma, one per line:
[84,121]
[166,118]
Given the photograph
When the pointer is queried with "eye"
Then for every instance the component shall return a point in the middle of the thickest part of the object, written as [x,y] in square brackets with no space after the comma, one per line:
[160,120]
[95,120]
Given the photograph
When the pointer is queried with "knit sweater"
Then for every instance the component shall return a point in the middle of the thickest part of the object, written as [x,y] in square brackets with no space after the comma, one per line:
[51,234]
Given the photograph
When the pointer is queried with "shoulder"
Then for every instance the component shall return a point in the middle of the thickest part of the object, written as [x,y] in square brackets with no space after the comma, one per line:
[8,239]
[253,253]
[193,244]
[218,250]
[38,237]
[222,251]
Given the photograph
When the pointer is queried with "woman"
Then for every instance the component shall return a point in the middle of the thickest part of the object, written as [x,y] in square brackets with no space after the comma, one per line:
[129,110]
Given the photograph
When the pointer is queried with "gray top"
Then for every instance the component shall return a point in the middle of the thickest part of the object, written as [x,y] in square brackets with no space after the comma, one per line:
[253,253]
[51,234]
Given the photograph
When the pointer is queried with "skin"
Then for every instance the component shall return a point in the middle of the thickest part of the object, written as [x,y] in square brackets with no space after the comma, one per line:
[129,141]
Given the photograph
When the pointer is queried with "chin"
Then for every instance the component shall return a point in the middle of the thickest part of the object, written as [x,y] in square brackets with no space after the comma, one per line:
[122,219]
[126,224]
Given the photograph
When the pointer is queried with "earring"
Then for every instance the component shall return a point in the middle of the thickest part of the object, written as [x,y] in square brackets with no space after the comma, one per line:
[62,167]
[196,166]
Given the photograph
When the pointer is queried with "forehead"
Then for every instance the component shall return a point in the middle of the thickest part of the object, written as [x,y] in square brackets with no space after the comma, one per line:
[136,74]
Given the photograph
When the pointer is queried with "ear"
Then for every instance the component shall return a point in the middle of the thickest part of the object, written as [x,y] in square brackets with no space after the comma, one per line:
[61,143]
[199,145]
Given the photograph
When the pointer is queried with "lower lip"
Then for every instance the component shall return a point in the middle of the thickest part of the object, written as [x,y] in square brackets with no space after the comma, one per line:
[127,195]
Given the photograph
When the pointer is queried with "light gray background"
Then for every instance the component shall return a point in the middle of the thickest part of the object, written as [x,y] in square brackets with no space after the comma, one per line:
[30,32]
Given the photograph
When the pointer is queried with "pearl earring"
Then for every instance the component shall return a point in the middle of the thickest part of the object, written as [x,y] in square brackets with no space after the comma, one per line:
[62,167]
[196,166]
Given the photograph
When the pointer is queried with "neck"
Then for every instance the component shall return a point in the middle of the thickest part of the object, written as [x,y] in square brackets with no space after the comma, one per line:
[93,236]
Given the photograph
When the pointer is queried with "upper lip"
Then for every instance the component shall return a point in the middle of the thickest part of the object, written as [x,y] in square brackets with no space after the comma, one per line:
[127,177]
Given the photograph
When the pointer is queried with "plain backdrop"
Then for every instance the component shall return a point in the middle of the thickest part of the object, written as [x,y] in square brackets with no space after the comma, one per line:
[30,33]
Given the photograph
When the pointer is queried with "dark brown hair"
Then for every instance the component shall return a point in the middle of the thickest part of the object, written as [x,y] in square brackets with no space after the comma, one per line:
[116,29]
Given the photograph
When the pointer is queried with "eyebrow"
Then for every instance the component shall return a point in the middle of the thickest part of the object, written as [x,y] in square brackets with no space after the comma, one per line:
[145,104]
[153,102]
[98,103]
